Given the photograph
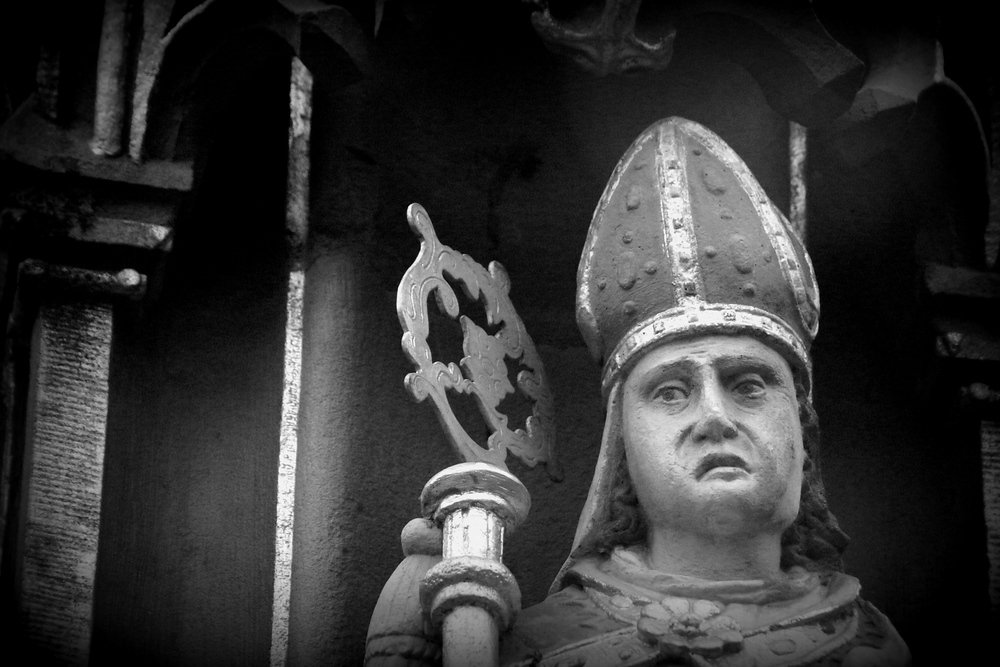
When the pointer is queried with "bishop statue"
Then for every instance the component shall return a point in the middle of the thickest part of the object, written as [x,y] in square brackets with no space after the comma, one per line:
[705,538]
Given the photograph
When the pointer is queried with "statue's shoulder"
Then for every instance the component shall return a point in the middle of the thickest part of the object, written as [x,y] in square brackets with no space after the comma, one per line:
[565,618]
[839,630]
[875,641]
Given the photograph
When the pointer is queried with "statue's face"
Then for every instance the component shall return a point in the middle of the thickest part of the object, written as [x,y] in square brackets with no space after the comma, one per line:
[712,435]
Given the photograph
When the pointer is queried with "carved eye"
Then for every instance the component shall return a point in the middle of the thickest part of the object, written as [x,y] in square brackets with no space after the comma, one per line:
[672,393]
[749,387]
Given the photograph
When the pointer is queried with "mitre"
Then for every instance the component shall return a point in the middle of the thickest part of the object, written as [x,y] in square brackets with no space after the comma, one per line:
[684,241]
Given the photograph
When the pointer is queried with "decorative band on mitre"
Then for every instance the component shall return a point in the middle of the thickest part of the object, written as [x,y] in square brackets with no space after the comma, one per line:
[706,319]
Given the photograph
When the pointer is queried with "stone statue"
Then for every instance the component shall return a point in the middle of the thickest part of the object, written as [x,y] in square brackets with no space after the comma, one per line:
[705,538]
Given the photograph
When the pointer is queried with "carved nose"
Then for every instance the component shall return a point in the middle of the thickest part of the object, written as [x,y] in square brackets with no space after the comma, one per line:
[714,424]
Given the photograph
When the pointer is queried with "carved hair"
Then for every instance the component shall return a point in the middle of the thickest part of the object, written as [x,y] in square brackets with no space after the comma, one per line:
[814,540]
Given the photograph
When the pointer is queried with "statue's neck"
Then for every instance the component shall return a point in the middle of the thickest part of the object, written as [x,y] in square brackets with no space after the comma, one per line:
[713,557]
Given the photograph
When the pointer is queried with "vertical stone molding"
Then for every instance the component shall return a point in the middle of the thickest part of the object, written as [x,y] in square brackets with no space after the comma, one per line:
[64,467]
[990,433]
[297,225]
[797,144]
[287,454]
[109,104]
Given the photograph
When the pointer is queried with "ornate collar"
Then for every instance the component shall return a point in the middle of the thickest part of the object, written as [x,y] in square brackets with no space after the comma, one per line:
[679,616]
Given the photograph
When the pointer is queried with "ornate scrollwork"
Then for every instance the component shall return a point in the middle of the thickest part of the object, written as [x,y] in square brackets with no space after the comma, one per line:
[483,372]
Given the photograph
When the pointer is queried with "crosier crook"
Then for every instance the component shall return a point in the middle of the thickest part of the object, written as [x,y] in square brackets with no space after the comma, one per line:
[470,594]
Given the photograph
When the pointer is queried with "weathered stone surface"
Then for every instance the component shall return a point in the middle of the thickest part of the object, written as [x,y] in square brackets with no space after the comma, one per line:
[29,139]
[971,286]
[55,280]
[63,474]
[155,39]
[112,72]
[990,431]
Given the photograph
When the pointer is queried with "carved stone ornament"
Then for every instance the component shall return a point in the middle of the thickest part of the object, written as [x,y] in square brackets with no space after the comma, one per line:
[483,372]
[606,43]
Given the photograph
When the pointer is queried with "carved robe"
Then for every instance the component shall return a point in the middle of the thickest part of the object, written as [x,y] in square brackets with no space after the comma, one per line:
[617,611]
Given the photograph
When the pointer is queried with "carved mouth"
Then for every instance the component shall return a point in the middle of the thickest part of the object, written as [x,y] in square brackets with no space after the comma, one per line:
[719,460]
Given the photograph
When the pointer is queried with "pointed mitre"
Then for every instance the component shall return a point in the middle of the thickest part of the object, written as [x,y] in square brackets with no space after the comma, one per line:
[685,241]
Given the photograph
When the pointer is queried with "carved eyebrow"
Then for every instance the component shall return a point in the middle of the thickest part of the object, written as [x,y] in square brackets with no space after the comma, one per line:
[649,379]
[767,369]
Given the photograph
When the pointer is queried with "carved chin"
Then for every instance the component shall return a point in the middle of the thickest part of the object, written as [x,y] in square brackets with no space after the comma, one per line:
[732,513]
[740,500]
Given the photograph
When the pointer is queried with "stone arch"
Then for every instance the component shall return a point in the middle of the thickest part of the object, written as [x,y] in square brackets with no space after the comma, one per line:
[329,41]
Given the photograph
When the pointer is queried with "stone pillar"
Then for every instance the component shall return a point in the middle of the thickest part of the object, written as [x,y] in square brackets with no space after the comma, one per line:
[62,462]
[112,70]
[990,443]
